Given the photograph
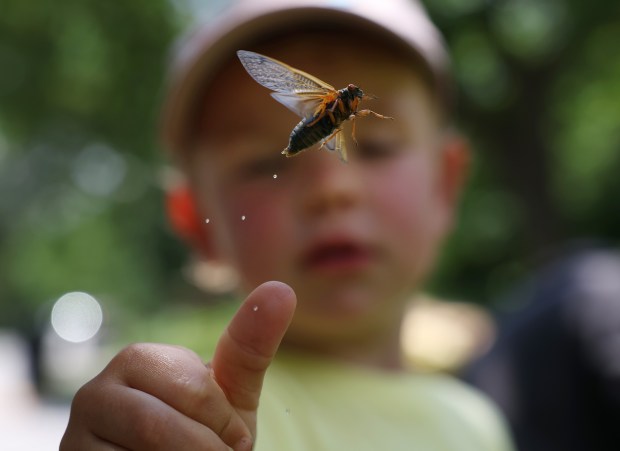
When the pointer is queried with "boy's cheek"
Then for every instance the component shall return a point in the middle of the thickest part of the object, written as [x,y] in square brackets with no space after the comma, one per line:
[402,191]
[408,208]
[255,226]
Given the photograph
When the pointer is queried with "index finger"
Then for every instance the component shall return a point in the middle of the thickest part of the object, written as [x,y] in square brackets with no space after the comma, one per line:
[250,342]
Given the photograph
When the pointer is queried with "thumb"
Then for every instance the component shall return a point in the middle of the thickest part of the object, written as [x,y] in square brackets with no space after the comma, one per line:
[248,345]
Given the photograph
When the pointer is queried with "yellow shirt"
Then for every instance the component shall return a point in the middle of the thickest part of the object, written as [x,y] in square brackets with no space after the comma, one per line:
[313,405]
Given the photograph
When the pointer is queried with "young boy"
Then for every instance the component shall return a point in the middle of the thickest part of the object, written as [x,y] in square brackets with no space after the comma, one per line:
[348,242]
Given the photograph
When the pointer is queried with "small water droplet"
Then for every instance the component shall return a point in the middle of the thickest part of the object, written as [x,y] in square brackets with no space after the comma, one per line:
[288,411]
[243,218]
[275,176]
[255,308]
[207,221]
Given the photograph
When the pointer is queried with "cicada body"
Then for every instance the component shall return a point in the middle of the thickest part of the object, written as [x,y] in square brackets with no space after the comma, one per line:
[323,108]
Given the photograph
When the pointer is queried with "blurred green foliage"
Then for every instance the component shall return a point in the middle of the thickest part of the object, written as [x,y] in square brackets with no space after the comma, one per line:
[539,93]
[80,209]
[81,205]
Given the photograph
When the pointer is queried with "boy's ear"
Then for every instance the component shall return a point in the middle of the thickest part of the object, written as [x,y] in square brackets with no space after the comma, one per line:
[185,220]
[455,161]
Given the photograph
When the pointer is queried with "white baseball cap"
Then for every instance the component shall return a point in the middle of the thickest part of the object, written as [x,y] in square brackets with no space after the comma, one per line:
[201,53]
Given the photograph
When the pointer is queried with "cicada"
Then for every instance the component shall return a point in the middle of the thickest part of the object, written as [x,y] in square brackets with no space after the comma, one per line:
[323,108]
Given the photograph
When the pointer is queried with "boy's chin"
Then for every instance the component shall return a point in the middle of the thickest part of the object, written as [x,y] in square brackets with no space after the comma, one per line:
[344,315]
[351,298]
[327,337]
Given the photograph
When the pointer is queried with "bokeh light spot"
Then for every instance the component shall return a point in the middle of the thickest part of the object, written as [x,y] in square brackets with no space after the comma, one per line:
[76,316]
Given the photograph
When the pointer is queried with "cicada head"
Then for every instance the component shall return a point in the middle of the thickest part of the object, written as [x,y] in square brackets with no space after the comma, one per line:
[355,91]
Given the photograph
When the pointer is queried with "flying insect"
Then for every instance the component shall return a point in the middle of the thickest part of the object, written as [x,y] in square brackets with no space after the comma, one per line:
[322,107]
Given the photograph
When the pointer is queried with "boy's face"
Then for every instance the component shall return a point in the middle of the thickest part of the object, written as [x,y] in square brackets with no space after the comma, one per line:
[353,240]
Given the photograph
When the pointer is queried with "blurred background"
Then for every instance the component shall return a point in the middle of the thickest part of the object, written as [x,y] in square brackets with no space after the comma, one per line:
[83,232]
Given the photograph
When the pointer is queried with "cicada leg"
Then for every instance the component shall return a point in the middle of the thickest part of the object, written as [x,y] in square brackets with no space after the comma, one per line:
[322,110]
[318,115]
[364,113]
[336,142]
[329,138]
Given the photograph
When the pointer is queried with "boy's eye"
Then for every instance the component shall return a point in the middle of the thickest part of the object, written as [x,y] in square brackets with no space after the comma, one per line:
[379,147]
[263,166]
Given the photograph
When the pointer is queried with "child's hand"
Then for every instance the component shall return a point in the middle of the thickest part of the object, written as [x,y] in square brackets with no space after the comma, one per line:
[163,397]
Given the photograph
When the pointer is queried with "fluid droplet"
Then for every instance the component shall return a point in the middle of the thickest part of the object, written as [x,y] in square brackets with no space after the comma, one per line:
[243,218]
[207,221]
[275,176]
[255,308]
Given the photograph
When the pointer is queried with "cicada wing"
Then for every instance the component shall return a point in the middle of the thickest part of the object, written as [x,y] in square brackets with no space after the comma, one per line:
[280,77]
[304,105]
[341,147]
[331,144]
[337,143]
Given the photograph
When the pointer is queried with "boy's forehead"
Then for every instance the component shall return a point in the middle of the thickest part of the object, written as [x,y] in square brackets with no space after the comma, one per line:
[235,106]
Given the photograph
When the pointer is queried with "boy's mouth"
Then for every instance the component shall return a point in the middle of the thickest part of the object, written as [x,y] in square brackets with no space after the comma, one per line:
[337,256]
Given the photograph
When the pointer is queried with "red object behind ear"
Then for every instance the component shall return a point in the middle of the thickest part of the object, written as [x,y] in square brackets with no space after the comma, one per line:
[184,218]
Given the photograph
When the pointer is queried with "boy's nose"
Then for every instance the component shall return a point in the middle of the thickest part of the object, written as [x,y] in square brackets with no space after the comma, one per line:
[329,184]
